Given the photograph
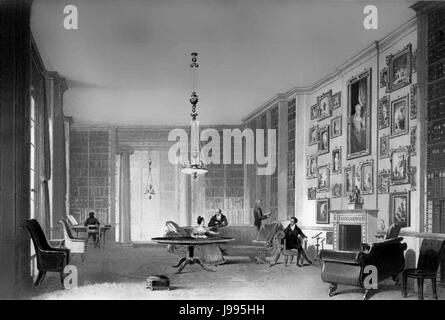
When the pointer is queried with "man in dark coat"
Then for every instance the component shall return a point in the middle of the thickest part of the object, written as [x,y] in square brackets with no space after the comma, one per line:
[218,220]
[293,236]
[258,215]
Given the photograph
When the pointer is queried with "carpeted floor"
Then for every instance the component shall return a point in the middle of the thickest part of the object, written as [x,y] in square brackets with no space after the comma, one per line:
[119,273]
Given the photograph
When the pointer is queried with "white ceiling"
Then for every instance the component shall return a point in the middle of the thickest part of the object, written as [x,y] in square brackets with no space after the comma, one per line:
[128,63]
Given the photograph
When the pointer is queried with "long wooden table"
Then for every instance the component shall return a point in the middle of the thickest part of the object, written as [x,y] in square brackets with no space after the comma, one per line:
[191,243]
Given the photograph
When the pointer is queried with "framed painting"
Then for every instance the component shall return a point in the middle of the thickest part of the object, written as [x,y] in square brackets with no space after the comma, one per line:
[383,112]
[399,117]
[413,140]
[413,102]
[399,204]
[312,193]
[324,105]
[400,166]
[314,111]
[311,166]
[384,77]
[367,175]
[349,179]
[322,215]
[359,116]
[314,137]
[384,147]
[383,181]
[399,68]
[336,190]
[336,127]
[323,179]
[336,161]
[323,144]
[336,100]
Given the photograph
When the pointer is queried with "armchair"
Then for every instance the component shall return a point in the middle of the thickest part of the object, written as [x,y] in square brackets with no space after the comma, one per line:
[76,245]
[48,258]
[347,267]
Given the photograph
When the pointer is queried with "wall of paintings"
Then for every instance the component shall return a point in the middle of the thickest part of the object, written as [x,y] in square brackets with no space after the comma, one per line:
[361,133]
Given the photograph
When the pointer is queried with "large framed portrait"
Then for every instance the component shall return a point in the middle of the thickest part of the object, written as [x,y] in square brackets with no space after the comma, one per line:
[399,66]
[322,211]
[400,208]
[324,105]
[314,111]
[383,181]
[384,147]
[336,100]
[336,127]
[323,179]
[311,166]
[367,175]
[400,164]
[314,136]
[312,193]
[349,179]
[359,116]
[323,144]
[336,161]
[399,116]
[383,112]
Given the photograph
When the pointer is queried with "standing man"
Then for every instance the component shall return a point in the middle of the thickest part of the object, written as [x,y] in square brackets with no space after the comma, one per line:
[258,215]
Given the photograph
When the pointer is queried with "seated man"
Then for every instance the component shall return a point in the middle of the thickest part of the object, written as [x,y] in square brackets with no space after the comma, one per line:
[292,235]
[218,220]
[92,221]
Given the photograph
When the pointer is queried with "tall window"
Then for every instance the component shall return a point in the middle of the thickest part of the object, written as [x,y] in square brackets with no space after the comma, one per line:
[32,157]
[32,176]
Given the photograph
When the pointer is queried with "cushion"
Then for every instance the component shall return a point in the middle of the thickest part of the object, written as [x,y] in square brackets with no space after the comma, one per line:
[173,227]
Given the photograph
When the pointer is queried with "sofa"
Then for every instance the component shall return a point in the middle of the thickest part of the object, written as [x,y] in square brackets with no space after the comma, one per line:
[248,241]
[348,267]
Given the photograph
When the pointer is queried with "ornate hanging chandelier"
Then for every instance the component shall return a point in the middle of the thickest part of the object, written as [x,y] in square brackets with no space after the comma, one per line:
[149,189]
[196,165]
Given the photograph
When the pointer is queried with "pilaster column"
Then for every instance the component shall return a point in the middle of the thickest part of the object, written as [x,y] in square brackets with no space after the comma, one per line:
[68,122]
[125,195]
[282,157]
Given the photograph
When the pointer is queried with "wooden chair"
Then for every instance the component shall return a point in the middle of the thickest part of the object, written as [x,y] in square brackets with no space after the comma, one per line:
[94,230]
[48,258]
[431,253]
[76,245]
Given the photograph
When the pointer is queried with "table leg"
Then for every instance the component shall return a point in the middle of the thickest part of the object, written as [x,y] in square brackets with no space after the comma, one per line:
[190,259]
[198,261]
[179,262]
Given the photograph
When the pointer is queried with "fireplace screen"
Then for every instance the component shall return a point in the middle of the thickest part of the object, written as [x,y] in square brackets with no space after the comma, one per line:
[350,237]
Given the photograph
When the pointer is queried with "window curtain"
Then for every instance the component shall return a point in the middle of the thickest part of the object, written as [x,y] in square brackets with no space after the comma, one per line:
[45,161]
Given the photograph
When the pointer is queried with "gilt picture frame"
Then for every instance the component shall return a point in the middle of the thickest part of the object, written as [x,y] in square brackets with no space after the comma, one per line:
[367,177]
[359,116]
[400,166]
[399,116]
[399,69]
[400,208]
[323,144]
[322,213]
[324,105]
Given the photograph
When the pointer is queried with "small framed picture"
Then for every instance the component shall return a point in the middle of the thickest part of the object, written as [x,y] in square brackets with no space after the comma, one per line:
[383,112]
[325,105]
[349,179]
[314,111]
[322,215]
[336,100]
[336,190]
[312,193]
[323,144]
[384,147]
[400,166]
[399,116]
[400,208]
[399,66]
[336,161]
[336,127]
[314,136]
[311,166]
[367,174]
[323,179]
[383,181]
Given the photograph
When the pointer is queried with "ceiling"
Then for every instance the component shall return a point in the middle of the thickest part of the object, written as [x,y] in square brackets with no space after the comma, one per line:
[128,63]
